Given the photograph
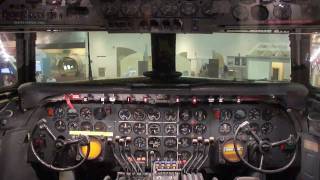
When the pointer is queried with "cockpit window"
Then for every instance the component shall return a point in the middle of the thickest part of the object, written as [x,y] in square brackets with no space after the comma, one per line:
[8,66]
[83,56]
[315,61]
[234,56]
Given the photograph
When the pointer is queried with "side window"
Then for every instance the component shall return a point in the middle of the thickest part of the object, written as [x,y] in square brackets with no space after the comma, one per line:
[315,61]
[8,64]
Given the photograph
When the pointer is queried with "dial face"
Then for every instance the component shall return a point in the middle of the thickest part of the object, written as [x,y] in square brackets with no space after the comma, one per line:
[184,156]
[153,114]
[154,142]
[170,129]
[125,128]
[259,13]
[240,13]
[225,128]
[170,142]
[124,114]
[185,115]
[168,8]
[170,155]
[59,112]
[226,115]
[189,8]
[240,114]
[139,142]
[154,129]
[254,114]
[200,129]
[109,9]
[282,11]
[170,115]
[185,142]
[149,9]
[86,126]
[267,128]
[73,126]
[130,8]
[99,126]
[139,114]
[72,113]
[140,155]
[99,113]
[254,127]
[139,128]
[85,113]
[200,115]
[60,126]
[185,129]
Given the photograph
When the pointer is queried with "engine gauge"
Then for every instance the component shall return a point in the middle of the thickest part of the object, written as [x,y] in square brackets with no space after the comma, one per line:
[153,114]
[185,142]
[60,126]
[189,8]
[185,129]
[139,142]
[225,128]
[72,113]
[200,115]
[185,115]
[267,128]
[140,155]
[282,11]
[170,155]
[59,112]
[86,126]
[240,114]
[226,115]
[130,8]
[254,114]
[99,126]
[85,113]
[99,113]
[259,13]
[255,127]
[124,114]
[200,129]
[139,114]
[184,156]
[154,129]
[148,9]
[170,115]
[125,128]
[109,9]
[169,8]
[267,114]
[73,126]
[170,142]
[139,128]
[211,8]
[240,13]
[170,129]
[154,142]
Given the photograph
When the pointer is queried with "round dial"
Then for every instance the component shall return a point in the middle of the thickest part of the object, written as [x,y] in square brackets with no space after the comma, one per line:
[240,114]
[267,114]
[86,126]
[259,13]
[169,8]
[109,9]
[130,7]
[254,114]
[185,142]
[139,115]
[139,128]
[200,129]
[72,113]
[99,113]
[124,114]
[282,11]
[200,115]
[184,156]
[170,129]
[60,126]
[170,155]
[59,112]
[153,114]
[73,126]
[85,113]
[154,129]
[185,129]
[170,115]
[125,128]
[140,155]
[255,127]
[225,128]
[149,9]
[154,142]
[185,115]
[170,142]
[226,115]
[267,128]
[211,8]
[99,126]
[240,13]
[139,142]
[189,8]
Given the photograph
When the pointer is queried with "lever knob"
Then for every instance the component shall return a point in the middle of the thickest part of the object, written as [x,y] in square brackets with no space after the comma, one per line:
[128,139]
[200,139]
[206,142]
[211,139]
[194,141]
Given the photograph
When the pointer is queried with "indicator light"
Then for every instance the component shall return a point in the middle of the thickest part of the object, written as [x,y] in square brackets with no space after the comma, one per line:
[129,99]
[221,99]
[177,100]
[194,100]
[211,100]
[145,99]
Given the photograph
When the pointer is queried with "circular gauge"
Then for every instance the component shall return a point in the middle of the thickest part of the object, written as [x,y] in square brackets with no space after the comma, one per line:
[170,155]
[155,154]
[59,112]
[99,113]
[200,129]
[124,114]
[60,126]
[125,128]
[189,8]
[185,115]
[72,114]
[240,114]
[149,9]
[139,142]
[154,129]
[240,13]
[100,126]
[86,126]
[282,11]
[184,156]
[229,153]
[211,8]
[139,128]
[254,114]
[130,8]
[225,128]
[154,142]
[73,126]
[185,129]
[226,115]
[200,115]
[109,9]
[170,142]
[139,115]
[267,128]
[254,127]
[185,142]
[259,13]
[267,114]
[170,115]
[153,114]
[169,8]
[170,129]
[85,113]
[140,155]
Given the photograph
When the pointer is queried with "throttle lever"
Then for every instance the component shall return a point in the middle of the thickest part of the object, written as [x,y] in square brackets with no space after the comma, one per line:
[128,142]
[194,143]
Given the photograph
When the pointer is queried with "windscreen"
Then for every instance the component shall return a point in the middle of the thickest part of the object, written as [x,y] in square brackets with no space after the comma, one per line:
[234,56]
